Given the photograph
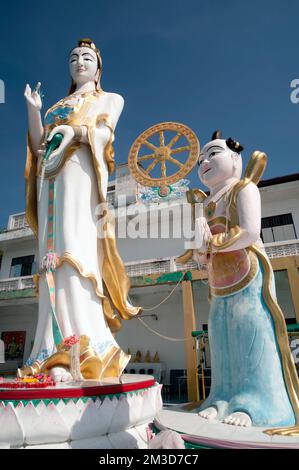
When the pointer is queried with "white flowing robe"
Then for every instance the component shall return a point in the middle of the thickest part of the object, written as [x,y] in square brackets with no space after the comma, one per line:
[78,280]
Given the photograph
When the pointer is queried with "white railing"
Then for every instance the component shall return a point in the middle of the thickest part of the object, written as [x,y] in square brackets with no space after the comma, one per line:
[166,265]
[157,266]
[282,249]
[17,221]
[16,283]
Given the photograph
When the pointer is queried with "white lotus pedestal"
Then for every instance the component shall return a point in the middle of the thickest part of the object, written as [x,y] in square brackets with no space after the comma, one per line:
[111,414]
[199,433]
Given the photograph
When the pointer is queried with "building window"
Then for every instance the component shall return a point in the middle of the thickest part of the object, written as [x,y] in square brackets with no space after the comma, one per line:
[284,294]
[278,228]
[22,266]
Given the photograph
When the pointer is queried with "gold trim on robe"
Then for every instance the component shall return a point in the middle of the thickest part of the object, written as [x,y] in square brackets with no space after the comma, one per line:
[31,189]
[92,365]
[287,361]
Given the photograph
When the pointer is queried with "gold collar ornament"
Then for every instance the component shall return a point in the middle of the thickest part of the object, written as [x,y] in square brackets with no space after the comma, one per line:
[212,204]
[210,209]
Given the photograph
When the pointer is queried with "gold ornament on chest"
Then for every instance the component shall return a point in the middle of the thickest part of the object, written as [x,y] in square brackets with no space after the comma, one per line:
[210,210]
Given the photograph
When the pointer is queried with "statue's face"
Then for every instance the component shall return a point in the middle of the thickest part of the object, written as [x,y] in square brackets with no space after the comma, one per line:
[216,163]
[83,65]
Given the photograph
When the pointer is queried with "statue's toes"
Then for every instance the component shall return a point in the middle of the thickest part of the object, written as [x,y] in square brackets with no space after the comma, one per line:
[239,418]
[208,413]
[67,377]
[60,374]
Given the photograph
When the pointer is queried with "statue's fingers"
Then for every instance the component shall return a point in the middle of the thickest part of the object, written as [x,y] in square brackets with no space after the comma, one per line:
[62,147]
[51,135]
[27,90]
[41,153]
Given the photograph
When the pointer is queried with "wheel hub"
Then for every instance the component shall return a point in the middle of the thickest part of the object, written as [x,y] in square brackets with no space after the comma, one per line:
[162,153]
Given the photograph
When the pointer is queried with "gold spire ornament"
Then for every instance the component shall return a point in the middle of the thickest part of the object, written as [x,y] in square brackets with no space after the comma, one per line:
[147,357]
[156,359]
[138,357]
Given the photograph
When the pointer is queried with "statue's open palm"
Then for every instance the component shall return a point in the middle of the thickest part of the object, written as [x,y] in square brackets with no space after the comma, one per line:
[33,98]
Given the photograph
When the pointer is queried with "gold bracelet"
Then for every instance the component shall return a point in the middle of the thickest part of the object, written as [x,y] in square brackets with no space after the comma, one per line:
[209,247]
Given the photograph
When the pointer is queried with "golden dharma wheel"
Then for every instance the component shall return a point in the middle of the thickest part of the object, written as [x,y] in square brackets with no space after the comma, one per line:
[174,150]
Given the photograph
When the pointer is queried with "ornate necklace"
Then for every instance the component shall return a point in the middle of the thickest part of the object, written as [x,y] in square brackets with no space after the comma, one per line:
[80,95]
[211,206]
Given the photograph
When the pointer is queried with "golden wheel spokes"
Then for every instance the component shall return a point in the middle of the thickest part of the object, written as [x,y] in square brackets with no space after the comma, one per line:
[151,166]
[163,169]
[163,153]
[166,163]
[175,162]
[149,145]
[180,149]
[174,140]
[147,157]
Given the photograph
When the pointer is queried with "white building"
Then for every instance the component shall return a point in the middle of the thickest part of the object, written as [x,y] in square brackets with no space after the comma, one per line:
[172,309]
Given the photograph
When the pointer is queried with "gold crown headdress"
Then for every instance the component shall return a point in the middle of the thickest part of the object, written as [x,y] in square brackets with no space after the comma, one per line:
[87,42]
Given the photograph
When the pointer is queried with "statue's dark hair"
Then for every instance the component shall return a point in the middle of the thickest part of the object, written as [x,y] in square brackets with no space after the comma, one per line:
[231,143]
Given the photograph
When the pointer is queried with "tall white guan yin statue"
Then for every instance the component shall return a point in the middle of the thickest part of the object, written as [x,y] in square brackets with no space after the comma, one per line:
[82,283]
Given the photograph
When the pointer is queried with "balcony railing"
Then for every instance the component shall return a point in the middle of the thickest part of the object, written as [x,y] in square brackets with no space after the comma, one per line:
[17,221]
[166,265]
[282,249]
[157,266]
[16,283]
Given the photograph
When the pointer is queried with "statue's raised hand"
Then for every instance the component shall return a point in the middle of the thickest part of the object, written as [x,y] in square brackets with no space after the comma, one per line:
[33,98]
[202,234]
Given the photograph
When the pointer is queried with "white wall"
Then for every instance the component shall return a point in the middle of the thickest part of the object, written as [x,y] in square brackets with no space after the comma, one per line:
[15,250]
[161,239]
[19,318]
[201,303]
[281,199]
[170,323]
[284,295]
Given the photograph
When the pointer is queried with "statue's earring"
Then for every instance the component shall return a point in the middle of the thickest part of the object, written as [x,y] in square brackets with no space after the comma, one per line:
[235,160]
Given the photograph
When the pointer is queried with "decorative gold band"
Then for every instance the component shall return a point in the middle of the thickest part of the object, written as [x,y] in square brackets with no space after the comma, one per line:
[224,240]
[78,133]
[217,292]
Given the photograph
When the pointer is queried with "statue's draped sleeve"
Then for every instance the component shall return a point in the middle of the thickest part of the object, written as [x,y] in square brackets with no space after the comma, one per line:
[30,189]
[115,278]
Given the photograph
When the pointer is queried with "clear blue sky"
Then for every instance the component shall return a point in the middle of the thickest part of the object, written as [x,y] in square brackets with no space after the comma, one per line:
[211,64]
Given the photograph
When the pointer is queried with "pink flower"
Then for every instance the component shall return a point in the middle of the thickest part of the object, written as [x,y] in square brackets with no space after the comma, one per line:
[70,341]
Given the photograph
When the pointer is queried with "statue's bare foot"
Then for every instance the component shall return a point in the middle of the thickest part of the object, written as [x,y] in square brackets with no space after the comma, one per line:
[60,374]
[208,413]
[238,419]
